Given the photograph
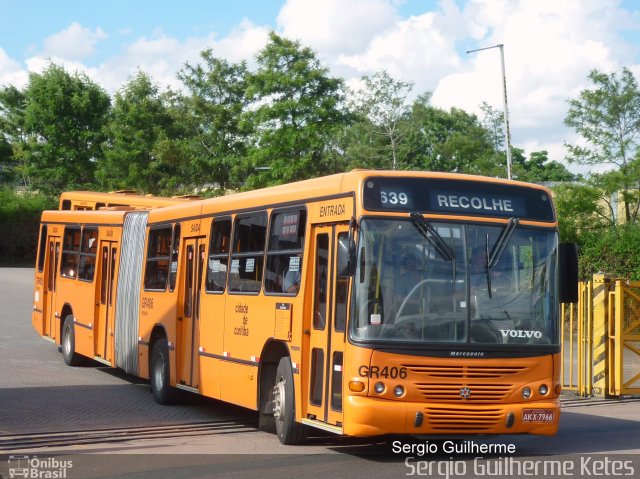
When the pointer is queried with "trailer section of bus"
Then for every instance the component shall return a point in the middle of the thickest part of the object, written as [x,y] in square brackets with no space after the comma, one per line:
[78,261]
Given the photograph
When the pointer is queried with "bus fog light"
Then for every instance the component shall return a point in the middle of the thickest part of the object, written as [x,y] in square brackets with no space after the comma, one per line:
[379,388]
[398,391]
[526,393]
[543,390]
[356,386]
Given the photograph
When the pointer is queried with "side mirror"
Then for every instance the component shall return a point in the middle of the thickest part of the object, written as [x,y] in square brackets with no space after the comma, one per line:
[346,256]
[568,272]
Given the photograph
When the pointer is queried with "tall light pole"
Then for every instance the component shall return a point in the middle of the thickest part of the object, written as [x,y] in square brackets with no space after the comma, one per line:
[507,134]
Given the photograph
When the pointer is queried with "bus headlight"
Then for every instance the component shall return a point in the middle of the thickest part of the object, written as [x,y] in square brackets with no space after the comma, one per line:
[543,389]
[526,392]
[398,391]
[379,388]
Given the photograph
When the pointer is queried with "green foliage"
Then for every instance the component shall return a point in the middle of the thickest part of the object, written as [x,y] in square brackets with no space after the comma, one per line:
[453,141]
[210,116]
[138,125]
[608,120]
[295,111]
[19,221]
[64,116]
[381,106]
[538,168]
[615,252]
[581,211]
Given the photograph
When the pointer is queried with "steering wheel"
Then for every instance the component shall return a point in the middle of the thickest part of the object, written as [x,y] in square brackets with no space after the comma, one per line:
[406,299]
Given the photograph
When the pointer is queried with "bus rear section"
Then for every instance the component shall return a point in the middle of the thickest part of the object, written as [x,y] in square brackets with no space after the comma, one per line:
[75,282]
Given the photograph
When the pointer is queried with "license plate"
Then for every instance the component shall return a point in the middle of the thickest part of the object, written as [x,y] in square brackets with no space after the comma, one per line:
[538,415]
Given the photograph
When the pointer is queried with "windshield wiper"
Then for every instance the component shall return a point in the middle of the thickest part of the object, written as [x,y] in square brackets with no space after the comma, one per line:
[501,242]
[433,237]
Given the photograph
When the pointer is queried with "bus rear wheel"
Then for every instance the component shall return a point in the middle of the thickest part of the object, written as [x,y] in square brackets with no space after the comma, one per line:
[288,430]
[71,358]
[160,374]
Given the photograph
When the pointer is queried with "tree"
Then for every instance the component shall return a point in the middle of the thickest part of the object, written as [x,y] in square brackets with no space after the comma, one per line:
[12,135]
[138,123]
[539,168]
[607,118]
[64,116]
[294,113]
[210,116]
[382,104]
[441,140]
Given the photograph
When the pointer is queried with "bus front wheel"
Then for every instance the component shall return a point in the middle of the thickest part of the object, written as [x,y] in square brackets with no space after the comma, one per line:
[71,358]
[160,374]
[289,431]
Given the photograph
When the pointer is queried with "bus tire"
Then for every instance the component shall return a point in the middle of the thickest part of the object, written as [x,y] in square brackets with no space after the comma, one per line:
[288,430]
[160,374]
[71,358]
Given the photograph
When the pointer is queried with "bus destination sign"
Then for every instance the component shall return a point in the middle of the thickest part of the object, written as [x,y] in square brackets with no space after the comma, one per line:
[454,196]
[457,202]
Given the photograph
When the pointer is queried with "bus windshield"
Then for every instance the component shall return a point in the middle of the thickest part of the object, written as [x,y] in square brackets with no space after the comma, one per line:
[490,285]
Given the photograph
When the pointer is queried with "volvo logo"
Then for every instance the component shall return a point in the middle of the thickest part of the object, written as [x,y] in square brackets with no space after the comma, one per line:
[465,392]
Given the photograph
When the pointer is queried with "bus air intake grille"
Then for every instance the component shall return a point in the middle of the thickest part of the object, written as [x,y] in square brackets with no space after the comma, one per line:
[465,372]
[451,392]
[450,419]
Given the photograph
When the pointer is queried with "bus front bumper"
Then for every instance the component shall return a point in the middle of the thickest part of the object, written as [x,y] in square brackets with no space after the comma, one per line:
[367,416]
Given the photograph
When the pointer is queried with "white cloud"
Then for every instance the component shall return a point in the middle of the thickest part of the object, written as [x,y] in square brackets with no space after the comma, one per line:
[332,26]
[163,56]
[416,49]
[10,71]
[75,42]
[550,47]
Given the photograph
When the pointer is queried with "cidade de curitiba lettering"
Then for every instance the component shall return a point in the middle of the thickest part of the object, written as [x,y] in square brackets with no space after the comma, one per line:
[475,203]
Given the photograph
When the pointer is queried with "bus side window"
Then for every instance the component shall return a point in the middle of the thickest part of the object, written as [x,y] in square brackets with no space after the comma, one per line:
[42,248]
[218,261]
[342,284]
[70,252]
[249,238]
[284,255]
[175,250]
[158,257]
[88,254]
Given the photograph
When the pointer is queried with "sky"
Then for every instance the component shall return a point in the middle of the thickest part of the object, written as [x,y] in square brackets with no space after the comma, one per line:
[550,46]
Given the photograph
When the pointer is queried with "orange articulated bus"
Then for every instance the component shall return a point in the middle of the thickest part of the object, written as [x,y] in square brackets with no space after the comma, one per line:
[91,200]
[364,303]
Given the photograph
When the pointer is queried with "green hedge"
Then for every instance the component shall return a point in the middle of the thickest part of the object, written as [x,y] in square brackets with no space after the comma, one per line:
[615,252]
[19,219]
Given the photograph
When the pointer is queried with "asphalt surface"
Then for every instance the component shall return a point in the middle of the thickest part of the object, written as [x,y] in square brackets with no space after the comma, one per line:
[108,425]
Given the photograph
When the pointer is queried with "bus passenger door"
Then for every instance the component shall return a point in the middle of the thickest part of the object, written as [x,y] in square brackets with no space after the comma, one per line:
[326,328]
[103,345]
[49,302]
[189,312]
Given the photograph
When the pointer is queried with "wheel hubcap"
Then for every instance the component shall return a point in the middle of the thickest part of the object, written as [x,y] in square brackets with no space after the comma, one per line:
[158,374]
[279,400]
[67,343]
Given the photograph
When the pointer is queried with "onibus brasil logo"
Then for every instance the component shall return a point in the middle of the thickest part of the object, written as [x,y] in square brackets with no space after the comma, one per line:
[34,468]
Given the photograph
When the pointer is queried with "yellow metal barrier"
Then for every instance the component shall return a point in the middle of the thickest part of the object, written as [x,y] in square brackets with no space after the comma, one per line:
[601,339]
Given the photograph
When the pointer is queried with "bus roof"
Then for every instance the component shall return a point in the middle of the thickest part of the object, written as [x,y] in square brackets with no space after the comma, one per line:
[88,217]
[121,198]
[317,188]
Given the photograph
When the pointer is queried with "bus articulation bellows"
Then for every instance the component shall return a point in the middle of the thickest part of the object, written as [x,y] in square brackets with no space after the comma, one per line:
[363,303]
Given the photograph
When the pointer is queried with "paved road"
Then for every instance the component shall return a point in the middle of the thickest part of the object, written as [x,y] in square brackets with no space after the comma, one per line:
[108,425]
